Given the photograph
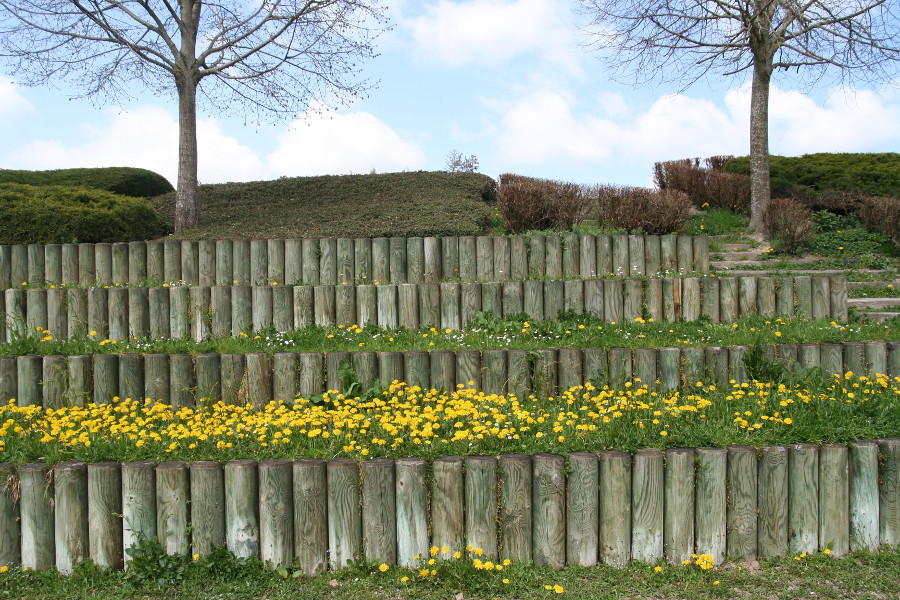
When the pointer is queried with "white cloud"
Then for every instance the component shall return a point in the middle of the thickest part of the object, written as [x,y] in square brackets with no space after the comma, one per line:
[495,31]
[12,102]
[333,143]
[549,129]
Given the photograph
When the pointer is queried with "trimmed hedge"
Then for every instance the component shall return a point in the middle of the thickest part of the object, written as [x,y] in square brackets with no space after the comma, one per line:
[55,214]
[377,205]
[531,204]
[125,181]
[873,174]
[655,212]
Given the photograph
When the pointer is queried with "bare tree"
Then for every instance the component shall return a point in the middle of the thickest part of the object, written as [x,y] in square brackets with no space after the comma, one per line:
[268,57]
[685,40]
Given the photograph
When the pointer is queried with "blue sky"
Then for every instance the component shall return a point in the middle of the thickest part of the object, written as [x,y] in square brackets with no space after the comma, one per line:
[509,81]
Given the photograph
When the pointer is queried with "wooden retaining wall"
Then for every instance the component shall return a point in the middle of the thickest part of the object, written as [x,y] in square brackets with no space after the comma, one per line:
[361,260]
[120,313]
[582,509]
[258,378]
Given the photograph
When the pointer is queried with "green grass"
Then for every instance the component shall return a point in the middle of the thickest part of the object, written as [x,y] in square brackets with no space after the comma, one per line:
[861,576]
[875,291]
[387,205]
[487,332]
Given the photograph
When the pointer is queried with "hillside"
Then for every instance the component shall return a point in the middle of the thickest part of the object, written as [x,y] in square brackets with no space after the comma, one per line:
[383,205]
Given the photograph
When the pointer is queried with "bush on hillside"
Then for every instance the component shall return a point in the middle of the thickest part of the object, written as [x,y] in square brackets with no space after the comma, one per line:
[789,223]
[655,212]
[55,214]
[526,203]
[377,205]
[125,181]
[881,214]
[704,182]
[871,174]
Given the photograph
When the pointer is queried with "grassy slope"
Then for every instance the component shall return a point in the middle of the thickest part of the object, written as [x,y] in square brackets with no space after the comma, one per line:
[392,204]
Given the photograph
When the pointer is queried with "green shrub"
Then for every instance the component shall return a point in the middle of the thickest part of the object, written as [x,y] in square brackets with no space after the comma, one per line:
[55,214]
[705,183]
[377,205]
[789,223]
[526,203]
[125,181]
[651,211]
[872,174]
[883,215]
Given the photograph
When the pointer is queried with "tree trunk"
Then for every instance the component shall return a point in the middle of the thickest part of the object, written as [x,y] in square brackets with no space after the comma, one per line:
[760,183]
[187,77]
[187,209]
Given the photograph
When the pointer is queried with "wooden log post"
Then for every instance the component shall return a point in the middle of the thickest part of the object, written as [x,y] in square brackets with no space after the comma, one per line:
[416,369]
[877,357]
[328,261]
[443,370]
[701,253]
[889,492]
[447,508]
[284,376]
[645,370]
[304,314]
[179,313]
[386,307]
[86,266]
[493,373]
[380,523]
[69,265]
[670,368]
[53,381]
[138,313]
[728,298]
[854,358]
[537,261]
[549,510]
[344,517]
[234,379]
[131,376]
[209,378]
[647,502]
[803,498]
[363,266]
[747,296]
[346,271]
[633,308]
[415,259]
[171,264]
[106,378]
[821,298]
[381,260]
[711,503]
[429,302]
[765,296]
[36,312]
[275,267]
[225,263]
[138,503]
[259,262]
[57,318]
[481,503]
[293,262]
[366,305]
[310,255]
[70,511]
[411,510]
[684,248]
[582,510]
[118,314]
[672,300]
[604,255]
[458,304]
[831,359]
[206,263]
[36,506]
[637,259]
[613,300]
[691,305]
[261,307]
[181,380]
[620,262]
[620,370]
[324,303]
[742,497]
[653,256]
[834,499]
[190,262]
[773,502]
[8,378]
[587,256]
[159,320]
[398,260]
[570,255]
[864,517]
[450,257]
[502,258]
[207,506]
[76,313]
[172,506]
[310,515]
[242,508]
[276,512]
[103,263]
[259,378]
[283,308]
[615,517]
[157,378]
[678,531]
[10,520]
[553,256]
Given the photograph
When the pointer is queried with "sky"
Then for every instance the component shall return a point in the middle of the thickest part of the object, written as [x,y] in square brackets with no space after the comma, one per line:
[508,81]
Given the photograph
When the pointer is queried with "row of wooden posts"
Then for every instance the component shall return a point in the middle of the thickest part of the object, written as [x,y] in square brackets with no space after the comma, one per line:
[331,261]
[257,378]
[200,312]
[580,509]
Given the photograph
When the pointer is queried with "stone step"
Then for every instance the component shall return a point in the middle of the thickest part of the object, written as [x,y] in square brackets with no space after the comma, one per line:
[873,303]
[791,272]
[734,256]
[741,248]
[859,284]
[881,317]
